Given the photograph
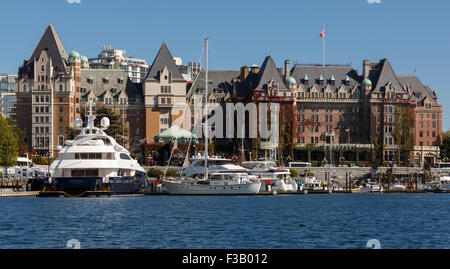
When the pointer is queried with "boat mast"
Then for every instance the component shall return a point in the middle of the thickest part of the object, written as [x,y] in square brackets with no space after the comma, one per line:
[205,109]
[90,118]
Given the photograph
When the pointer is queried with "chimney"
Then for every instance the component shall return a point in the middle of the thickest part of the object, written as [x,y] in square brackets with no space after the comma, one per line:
[280,71]
[287,69]
[244,72]
[366,69]
[254,69]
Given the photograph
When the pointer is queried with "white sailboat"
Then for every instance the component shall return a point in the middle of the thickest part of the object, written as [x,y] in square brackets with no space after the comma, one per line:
[219,176]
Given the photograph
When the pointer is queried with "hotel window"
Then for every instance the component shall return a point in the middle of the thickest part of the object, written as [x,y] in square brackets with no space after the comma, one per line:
[37,99]
[37,129]
[421,133]
[60,100]
[42,99]
[60,119]
[434,134]
[47,98]
[434,124]
[60,140]
[37,119]
[137,130]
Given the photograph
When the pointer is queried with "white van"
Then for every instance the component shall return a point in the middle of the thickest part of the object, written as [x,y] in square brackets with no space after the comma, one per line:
[299,164]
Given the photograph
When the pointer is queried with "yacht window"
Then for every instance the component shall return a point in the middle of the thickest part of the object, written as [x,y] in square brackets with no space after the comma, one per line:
[84,173]
[124,156]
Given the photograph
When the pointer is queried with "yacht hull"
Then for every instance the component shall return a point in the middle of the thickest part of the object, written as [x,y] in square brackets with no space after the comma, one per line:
[178,188]
[87,186]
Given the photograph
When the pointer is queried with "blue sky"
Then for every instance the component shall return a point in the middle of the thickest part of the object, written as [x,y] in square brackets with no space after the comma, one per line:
[411,34]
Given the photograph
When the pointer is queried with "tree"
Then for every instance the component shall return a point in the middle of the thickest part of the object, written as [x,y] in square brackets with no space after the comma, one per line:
[19,133]
[9,146]
[294,173]
[403,133]
[445,147]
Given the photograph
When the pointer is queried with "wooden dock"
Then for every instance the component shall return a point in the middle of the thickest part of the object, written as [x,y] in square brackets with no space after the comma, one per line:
[4,194]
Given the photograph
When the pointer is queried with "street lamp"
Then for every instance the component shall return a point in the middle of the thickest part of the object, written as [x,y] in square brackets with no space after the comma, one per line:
[348,135]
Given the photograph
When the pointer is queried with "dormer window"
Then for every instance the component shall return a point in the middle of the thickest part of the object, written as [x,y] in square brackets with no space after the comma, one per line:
[332,80]
[106,80]
[321,80]
[347,81]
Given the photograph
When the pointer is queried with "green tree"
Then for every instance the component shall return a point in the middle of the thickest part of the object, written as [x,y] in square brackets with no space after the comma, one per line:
[19,133]
[9,145]
[445,146]
[293,172]
[403,133]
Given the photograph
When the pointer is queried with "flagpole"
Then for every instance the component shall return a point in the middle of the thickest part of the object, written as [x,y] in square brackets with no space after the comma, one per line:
[323,47]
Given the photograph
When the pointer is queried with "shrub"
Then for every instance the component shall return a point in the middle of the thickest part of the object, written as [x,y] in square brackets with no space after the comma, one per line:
[294,173]
[152,172]
[172,173]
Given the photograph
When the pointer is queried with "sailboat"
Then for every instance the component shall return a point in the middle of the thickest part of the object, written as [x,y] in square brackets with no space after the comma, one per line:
[219,176]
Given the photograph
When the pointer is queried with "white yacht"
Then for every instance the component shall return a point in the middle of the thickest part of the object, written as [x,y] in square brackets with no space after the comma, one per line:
[212,175]
[216,164]
[371,187]
[312,184]
[267,171]
[444,184]
[93,164]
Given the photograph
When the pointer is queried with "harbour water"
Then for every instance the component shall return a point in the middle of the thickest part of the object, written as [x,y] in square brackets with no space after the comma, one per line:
[280,221]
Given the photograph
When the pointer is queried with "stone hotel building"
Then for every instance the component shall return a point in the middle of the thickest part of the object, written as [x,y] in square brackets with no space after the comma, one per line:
[321,105]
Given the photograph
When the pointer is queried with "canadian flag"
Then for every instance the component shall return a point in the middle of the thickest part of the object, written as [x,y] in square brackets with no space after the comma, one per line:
[323,32]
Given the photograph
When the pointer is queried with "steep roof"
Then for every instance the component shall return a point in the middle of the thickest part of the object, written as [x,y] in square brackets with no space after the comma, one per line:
[418,90]
[267,73]
[51,43]
[98,86]
[383,74]
[218,79]
[313,73]
[164,59]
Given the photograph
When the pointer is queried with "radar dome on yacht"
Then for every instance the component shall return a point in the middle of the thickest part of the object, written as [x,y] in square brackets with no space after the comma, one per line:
[105,122]
[78,123]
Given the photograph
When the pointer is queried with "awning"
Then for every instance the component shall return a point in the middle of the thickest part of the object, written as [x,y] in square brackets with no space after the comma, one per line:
[175,133]
[23,160]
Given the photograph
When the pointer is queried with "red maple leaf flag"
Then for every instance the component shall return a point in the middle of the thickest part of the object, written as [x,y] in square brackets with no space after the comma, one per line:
[323,33]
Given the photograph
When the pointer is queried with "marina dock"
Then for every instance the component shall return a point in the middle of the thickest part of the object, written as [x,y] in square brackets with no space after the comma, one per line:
[18,193]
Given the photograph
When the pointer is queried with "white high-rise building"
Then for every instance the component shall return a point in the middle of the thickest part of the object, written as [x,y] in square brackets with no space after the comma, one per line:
[8,100]
[115,59]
